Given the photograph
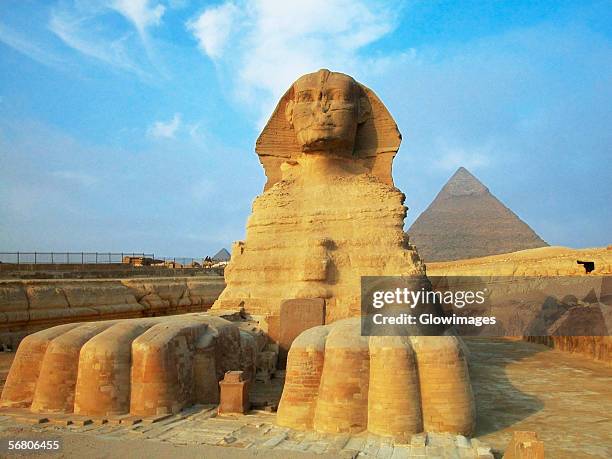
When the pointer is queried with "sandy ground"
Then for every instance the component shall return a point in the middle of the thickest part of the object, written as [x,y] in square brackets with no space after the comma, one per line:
[563,397]
[89,446]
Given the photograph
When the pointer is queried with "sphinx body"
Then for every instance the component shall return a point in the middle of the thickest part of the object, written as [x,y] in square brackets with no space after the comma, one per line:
[330,214]
[313,237]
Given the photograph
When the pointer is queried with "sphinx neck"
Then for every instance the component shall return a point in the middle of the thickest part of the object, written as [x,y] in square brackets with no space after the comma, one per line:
[322,167]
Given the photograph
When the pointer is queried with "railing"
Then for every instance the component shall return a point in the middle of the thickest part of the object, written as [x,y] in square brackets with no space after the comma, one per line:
[84,258]
[69,257]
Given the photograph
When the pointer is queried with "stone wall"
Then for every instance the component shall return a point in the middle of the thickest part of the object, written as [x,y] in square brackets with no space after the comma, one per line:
[27,306]
[547,261]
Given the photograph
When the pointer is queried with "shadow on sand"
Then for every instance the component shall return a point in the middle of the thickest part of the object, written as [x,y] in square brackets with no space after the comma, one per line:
[499,403]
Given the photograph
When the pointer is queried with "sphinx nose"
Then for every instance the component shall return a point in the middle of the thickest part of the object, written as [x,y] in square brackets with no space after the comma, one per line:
[325,104]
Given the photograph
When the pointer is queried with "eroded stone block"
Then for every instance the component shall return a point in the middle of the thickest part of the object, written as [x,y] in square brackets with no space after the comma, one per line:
[296,316]
[234,393]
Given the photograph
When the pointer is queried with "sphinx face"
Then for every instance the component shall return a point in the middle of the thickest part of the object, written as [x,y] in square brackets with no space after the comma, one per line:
[324,112]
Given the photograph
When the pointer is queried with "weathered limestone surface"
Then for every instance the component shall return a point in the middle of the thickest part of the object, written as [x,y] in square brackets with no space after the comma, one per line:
[394,398]
[342,403]
[21,381]
[303,378]
[56,384]
[146,367]
[341,382]
[27,306]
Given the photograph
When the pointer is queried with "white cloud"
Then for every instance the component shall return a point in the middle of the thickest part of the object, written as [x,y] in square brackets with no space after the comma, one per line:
[139,13]
[263,45]
[75,31]
[78,177]
[213,27]
[167,129]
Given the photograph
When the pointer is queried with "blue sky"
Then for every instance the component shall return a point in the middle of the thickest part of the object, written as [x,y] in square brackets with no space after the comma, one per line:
[129,125]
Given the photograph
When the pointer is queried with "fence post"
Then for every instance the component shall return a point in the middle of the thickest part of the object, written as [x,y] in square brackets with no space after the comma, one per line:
[82,259]
[34,257]
[17,257]
[96,257]
[51,257]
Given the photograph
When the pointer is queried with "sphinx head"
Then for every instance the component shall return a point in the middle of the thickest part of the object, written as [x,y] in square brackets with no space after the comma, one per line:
[325,111]
[328,115]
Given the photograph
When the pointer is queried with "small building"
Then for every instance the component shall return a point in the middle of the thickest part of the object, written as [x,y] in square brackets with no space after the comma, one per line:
[138,260]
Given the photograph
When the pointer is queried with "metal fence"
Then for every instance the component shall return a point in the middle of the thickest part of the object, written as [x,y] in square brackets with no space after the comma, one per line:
[69,257]
[84,258]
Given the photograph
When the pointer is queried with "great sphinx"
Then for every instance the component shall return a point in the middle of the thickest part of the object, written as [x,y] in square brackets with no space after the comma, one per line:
[330,214]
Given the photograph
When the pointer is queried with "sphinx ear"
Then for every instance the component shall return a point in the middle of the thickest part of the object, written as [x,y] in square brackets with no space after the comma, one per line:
[289,112]
[365,110]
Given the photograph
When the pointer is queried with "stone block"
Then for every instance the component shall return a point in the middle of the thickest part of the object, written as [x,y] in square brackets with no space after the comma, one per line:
[297,315]
[234,393]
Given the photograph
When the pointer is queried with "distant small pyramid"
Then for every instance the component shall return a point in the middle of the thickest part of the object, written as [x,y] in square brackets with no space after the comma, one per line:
[221,255]
[466,221]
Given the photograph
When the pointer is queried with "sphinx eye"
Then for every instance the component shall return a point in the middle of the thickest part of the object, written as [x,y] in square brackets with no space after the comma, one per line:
[340,95]
[304,96]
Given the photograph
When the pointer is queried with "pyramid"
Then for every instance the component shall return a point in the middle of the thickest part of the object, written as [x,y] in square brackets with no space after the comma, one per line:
[221,255]
[466,221]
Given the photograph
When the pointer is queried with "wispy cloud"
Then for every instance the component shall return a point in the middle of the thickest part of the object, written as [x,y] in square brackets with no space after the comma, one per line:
[84,28]
[165,129]
[140,13]
[25,46]
[75,32]
[263,45]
